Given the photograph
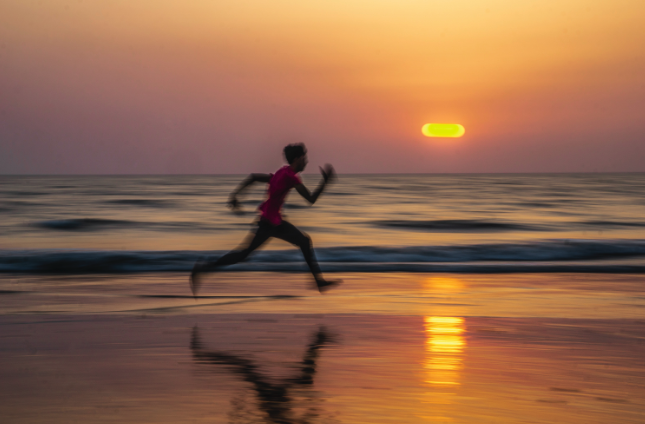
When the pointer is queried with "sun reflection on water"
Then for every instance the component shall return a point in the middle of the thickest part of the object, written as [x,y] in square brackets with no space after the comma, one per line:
[445,344]
[446,285]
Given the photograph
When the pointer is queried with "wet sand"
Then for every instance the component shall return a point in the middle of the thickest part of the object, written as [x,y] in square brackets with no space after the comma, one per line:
[592,296]
[384,348]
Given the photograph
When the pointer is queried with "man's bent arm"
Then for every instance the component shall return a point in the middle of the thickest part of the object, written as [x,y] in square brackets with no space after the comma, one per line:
[304,192]
[262,178]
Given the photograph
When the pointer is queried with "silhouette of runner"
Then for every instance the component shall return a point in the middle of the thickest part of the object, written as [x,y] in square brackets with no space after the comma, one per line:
[270,223]
[274,399]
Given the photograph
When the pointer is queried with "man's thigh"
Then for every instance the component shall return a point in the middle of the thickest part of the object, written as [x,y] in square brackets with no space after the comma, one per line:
[288,232]
[263,232]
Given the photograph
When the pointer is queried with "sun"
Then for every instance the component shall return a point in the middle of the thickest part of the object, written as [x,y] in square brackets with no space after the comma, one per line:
[443,130]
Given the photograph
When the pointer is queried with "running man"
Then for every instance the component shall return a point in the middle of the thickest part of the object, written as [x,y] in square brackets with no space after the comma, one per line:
[270,223]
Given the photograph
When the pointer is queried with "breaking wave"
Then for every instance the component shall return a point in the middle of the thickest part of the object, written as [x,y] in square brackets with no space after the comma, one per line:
[456,225]
[542,256]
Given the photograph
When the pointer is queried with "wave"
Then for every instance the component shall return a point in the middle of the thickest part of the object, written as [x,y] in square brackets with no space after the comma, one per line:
[534,204]
[99,224]
[83,224]
[543,256]
[340,193]
[476,225]
[141,203]
[605,224]
[25,193]
[463,225]
[288,206]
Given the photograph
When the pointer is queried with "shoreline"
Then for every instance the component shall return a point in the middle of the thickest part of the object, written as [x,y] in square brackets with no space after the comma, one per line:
[606,296]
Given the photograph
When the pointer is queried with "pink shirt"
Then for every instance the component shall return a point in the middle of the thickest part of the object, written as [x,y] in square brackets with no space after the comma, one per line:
[279,185]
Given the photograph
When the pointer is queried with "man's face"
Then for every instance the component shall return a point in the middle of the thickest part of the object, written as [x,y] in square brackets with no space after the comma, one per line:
[300,164]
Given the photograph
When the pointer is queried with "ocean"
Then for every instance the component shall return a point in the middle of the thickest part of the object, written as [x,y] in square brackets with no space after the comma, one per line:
[362,223]
[465,299]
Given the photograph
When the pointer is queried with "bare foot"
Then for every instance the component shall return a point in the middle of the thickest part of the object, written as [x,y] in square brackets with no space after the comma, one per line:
[325,285]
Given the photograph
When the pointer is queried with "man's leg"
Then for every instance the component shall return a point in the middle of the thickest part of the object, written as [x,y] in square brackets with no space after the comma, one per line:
[288,232]
[262,234]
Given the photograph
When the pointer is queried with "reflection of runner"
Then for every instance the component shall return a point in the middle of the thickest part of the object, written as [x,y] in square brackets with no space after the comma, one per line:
[271,223]
[274,399]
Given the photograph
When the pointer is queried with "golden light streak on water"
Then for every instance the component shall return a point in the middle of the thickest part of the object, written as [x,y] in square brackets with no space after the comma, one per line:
[444,347]
[444,284]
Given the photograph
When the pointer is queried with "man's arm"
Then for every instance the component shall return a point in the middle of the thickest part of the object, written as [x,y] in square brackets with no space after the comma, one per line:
[328,175]
[233,203]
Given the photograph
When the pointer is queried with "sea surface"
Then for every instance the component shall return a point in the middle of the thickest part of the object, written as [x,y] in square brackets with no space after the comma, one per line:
[465,299]
[362,223]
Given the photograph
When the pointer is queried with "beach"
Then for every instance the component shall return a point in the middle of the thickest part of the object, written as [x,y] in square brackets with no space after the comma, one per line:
[395,348]
[465,299]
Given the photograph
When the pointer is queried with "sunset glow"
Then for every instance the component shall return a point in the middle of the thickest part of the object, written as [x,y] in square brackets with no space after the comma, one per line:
[159,87]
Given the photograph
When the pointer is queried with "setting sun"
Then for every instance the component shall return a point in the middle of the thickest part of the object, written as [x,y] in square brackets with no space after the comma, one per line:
[443,130]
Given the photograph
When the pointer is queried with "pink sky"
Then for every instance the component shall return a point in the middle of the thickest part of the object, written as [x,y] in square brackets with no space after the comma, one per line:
[169,86]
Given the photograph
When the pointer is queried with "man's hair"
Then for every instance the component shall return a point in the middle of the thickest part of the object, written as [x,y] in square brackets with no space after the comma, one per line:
[294,151]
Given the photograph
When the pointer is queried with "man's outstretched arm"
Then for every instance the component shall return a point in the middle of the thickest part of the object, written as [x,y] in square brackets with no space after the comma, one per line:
[233,203]
[327,174]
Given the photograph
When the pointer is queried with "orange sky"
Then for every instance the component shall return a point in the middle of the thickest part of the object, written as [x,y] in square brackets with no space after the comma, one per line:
[165,86]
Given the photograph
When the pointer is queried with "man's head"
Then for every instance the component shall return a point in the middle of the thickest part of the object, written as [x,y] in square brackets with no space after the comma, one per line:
[296,156]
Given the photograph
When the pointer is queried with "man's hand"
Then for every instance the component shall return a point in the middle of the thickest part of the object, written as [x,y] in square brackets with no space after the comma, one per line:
[328,173]
[232,200]
[234,204]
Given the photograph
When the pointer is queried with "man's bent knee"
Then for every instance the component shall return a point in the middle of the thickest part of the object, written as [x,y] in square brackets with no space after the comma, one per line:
[305,241]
